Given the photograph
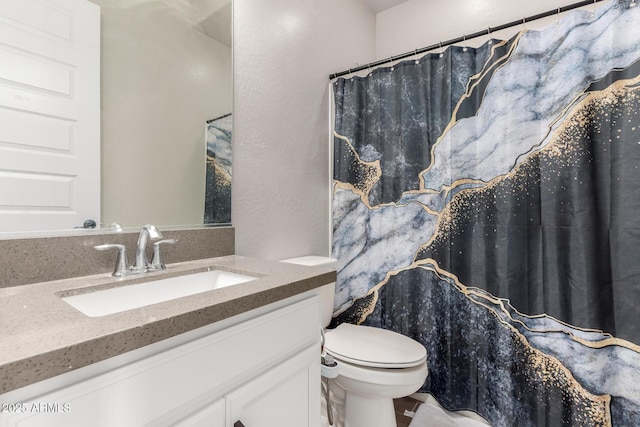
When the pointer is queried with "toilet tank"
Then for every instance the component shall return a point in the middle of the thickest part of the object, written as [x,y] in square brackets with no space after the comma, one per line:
[327,292]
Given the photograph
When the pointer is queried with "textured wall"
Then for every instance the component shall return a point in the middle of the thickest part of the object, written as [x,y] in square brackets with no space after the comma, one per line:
[284,51]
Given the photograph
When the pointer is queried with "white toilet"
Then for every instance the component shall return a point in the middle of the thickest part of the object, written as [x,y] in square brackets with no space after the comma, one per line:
[375,365]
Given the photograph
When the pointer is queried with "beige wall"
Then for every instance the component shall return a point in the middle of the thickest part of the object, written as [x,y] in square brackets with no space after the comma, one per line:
[284,51]
[161,80]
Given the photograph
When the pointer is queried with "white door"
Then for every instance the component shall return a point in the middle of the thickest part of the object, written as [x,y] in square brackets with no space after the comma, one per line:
[285,396]
[49,114]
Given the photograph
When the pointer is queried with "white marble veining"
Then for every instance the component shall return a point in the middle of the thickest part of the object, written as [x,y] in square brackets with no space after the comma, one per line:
[364,238]
[529,93]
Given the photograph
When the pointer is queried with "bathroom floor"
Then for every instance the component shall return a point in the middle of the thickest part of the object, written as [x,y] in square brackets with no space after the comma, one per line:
[425,414]
[430,413]
[402,405]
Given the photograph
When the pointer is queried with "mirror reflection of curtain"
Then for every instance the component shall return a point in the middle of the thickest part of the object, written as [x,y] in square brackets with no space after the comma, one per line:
[217,205]
[486,204]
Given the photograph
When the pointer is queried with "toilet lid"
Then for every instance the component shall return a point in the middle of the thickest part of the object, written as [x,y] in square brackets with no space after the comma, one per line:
[373,347]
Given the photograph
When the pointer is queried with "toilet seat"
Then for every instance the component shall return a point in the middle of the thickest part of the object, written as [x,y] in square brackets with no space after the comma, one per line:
[412,377]
[373,347]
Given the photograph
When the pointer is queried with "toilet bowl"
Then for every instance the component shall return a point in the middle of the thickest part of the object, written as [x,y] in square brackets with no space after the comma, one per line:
[375,365]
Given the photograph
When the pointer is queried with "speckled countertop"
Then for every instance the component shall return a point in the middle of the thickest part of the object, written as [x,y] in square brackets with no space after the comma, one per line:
[41,336]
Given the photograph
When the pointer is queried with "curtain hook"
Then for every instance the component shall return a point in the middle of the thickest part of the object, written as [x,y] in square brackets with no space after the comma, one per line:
[441,51]
[593,12]
[369,69]
[464,41]
[489,35]
[415,52]
[524,20]
[558,17]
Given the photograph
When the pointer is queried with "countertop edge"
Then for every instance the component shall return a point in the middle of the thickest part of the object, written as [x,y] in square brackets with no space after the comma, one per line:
[280,281]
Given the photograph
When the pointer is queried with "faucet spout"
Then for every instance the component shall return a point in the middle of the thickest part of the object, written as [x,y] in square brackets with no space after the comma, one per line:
[142,262]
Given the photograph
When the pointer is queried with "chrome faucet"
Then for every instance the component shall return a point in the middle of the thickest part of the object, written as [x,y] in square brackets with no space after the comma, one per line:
[141,264]
[120,270]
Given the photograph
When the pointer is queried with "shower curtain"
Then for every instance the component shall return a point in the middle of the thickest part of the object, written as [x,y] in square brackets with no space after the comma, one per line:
[486,203]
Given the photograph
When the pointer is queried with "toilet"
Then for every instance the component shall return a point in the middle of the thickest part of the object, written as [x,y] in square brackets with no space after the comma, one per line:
[375,365]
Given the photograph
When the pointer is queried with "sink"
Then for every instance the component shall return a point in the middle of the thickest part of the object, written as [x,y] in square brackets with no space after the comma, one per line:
[115,300]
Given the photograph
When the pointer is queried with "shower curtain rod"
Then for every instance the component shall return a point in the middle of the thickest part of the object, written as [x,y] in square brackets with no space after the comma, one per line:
[464,38]
[218,118]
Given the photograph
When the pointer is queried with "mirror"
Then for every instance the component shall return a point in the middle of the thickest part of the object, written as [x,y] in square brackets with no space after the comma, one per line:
[165,72]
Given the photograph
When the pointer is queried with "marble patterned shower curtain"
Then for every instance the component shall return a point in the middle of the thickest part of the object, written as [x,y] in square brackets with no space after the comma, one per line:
[487,204]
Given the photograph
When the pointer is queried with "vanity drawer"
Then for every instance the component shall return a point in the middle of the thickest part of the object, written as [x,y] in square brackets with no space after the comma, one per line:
[169,385]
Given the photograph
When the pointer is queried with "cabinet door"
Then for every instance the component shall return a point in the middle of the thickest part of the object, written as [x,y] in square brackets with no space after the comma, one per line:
[287,395]
[210,416]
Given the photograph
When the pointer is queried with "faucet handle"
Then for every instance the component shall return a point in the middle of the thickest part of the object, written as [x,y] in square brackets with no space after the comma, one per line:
[120,270]
[156,262]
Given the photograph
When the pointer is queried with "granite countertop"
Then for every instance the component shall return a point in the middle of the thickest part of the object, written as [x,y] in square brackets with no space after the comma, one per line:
[41,336]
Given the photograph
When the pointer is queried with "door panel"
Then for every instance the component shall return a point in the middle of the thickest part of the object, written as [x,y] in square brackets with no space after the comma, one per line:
[49,114]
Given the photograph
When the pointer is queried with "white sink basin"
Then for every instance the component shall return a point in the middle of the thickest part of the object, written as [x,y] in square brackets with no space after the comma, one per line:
[115,300]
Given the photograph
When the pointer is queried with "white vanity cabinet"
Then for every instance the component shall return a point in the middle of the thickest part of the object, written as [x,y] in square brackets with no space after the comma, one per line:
[261,372]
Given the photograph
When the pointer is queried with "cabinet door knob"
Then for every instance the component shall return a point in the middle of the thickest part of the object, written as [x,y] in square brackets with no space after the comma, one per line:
[238,424]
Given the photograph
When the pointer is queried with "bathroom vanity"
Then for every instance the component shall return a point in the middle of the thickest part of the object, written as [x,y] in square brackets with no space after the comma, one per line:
[243,355]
